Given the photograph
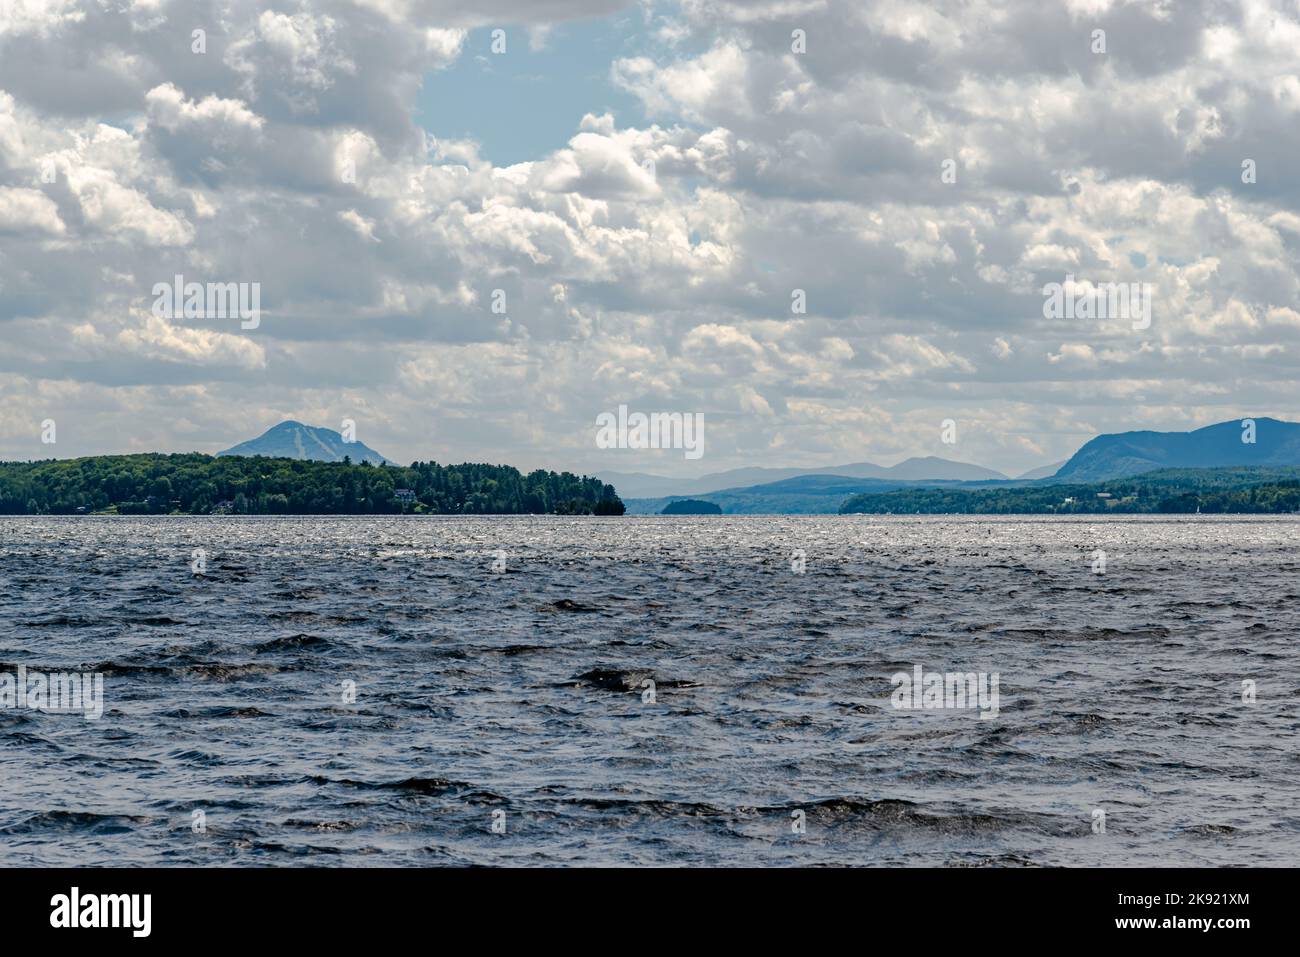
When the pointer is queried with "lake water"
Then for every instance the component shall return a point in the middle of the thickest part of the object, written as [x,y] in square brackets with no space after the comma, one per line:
[1123,733]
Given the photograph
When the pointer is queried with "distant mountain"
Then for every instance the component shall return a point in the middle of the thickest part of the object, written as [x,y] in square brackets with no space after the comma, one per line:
[293,440]
[1042,472]
[645,485]
[930,468]
[1215,446]
[803,495]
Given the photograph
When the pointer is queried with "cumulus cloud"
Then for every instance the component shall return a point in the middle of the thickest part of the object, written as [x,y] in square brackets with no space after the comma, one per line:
[23,210]
[918,172]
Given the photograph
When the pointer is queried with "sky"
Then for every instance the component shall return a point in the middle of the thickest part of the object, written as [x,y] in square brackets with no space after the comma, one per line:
[473,252]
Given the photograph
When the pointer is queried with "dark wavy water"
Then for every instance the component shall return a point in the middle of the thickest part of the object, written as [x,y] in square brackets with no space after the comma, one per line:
[522,692]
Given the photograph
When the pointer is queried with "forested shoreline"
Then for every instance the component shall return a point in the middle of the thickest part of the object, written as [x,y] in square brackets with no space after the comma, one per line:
[198,484]
[1238,490]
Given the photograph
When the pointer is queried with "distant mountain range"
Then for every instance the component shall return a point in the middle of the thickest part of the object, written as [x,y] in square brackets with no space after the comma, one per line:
[801,495]
[1269,442]
[928,468]
[293,440]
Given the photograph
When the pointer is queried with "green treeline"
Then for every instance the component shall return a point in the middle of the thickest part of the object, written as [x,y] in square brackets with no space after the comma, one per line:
[199,484]
[1170,491]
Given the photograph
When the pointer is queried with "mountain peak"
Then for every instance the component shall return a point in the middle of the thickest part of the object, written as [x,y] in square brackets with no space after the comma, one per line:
[291,439]
[931,467]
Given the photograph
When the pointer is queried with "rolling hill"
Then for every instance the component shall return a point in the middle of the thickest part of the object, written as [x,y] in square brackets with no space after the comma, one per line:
[1215,446]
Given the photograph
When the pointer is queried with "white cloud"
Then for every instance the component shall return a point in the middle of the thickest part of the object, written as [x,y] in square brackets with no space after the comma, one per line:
[655,261]
[23,210]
